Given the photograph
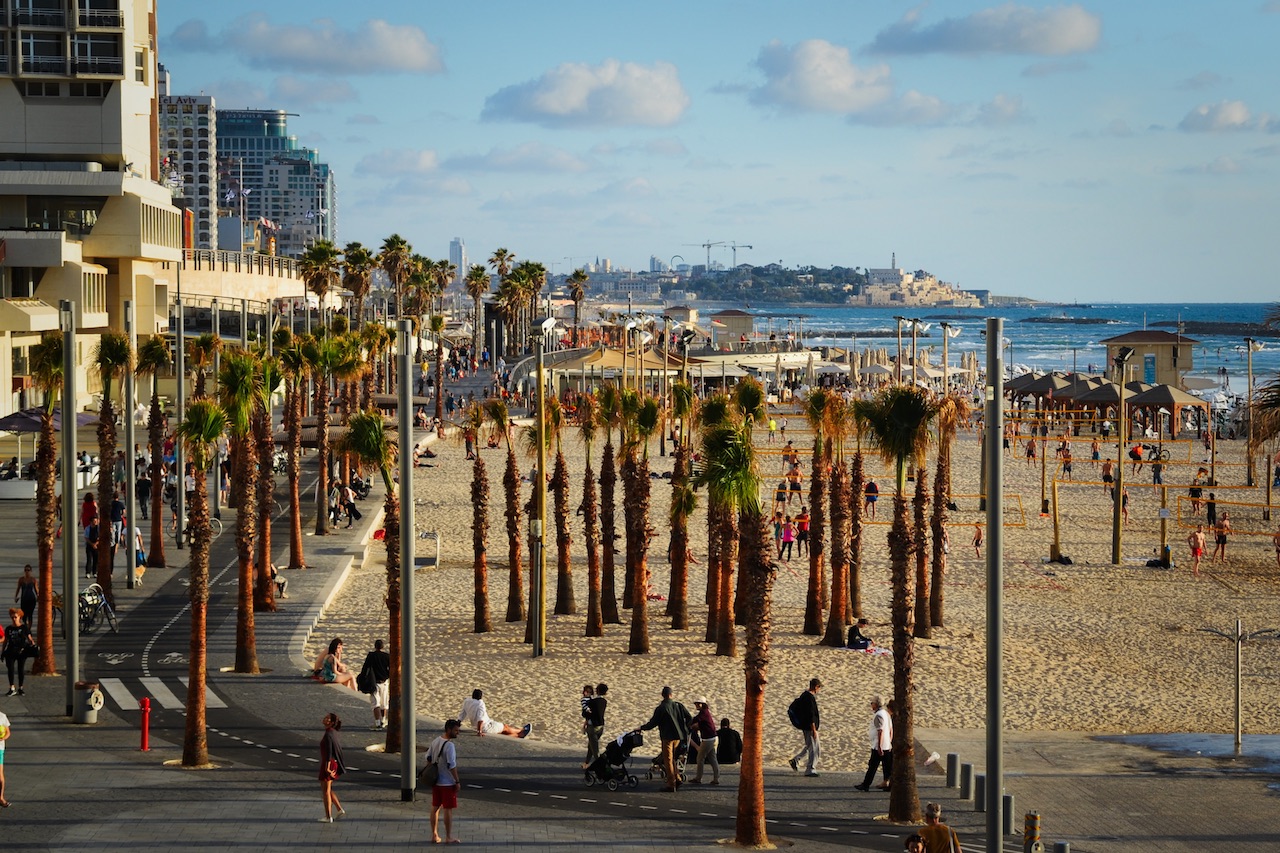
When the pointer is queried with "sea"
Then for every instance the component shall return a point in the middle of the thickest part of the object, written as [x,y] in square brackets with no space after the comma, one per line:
[1058,344]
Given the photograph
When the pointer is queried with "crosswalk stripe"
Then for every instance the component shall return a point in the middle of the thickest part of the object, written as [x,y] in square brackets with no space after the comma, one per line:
[211,699]
[116,690]
[161,693]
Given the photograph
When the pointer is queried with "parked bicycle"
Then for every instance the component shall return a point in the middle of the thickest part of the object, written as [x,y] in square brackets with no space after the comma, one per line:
[95,610]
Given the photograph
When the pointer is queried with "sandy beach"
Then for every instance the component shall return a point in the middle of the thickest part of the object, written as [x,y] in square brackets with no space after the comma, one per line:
[1089,647]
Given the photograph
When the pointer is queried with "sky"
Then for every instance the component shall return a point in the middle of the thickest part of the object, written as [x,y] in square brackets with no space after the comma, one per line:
[1121,151]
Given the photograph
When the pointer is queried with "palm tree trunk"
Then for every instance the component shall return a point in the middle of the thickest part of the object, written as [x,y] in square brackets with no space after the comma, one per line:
[635,472]
[817,541]
[715,564]
[749,829]
[566,605]
[106,492]
[46,531]
[726,633]
[243,490]
[156,425]
[515,575]
[678,591]
[941,491]
[293,466]
[440,379]
[195,740]
[904,803]
[535,566]
[838,616]
[322,454]
[480,532]
[391,525]
[920,550]
[853,585]
[591,532]
[609,533]
[264,594]
[476,327]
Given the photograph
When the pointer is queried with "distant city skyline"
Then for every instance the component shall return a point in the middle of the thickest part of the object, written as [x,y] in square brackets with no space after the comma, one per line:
[1100,152]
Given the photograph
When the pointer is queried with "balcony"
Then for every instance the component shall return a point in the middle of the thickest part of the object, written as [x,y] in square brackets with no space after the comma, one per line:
[103,65]
[101,19]
[40,17]
[44,65]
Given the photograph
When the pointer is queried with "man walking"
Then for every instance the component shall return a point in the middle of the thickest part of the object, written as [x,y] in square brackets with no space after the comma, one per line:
[881,734]
[593,722]
[807,720]
[444,794]
[378,663]
[672,720]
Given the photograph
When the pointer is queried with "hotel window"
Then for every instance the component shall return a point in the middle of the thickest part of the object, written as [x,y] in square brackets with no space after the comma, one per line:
[140,66]
[98,53]
[43,53]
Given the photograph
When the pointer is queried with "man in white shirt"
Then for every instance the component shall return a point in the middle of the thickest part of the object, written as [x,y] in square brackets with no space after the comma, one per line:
[475,714]
[880,733]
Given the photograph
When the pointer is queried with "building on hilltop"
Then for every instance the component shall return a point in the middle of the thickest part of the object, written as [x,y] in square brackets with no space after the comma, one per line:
[267,180]
[893,287]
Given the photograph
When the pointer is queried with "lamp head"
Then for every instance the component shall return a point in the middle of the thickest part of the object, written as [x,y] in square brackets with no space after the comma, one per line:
[1124,354]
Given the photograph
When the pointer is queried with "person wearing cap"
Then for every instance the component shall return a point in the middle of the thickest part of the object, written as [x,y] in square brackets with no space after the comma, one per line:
[706,735]
[938,837]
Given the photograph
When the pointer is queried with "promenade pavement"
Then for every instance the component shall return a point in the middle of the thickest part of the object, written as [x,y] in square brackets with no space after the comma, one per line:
[86,787]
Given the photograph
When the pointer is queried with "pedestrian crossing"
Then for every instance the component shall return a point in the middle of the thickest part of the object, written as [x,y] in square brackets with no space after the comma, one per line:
[121,693]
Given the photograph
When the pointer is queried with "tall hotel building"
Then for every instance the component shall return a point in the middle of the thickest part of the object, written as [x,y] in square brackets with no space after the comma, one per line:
[83,215]
[189,161]
[458,257]
[273,187]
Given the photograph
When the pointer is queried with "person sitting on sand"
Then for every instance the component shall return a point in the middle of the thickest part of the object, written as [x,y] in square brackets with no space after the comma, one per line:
[857,639]
[475,713]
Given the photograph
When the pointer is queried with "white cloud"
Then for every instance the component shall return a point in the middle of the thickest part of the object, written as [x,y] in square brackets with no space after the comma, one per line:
[1002,110]
[301,92]
[529,157]
[318,47]
[1203,80]
[1215,118]
[1009,29]
[1118,127]
[238,94]
[913,108]
[396,162]
[612,94]
[818,76]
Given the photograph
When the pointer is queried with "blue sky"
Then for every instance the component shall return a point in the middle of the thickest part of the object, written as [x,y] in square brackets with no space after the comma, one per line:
[1121,151]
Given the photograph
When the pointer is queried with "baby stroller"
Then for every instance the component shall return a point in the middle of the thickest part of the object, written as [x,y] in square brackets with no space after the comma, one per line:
[656,769]
[610,769]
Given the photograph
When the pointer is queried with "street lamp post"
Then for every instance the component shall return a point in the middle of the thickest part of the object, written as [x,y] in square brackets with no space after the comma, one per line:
[1248,445]
[897,364]
[1117,496]
[70,569]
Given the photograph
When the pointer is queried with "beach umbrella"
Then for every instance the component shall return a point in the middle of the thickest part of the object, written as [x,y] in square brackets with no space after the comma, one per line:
[832,369]
[28,420]
[1017,383]
[808,371]
[876,370]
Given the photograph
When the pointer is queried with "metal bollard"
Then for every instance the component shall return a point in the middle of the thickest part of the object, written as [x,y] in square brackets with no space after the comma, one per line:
[953,770]
[145,704]
[1062,847]
[966,781]
[980,792]
[1006,822]
[1031,833]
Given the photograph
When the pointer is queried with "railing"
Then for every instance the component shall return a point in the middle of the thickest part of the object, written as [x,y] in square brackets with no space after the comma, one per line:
[102,65]
[101,18]
[44,65]
[272,265]
[41,17]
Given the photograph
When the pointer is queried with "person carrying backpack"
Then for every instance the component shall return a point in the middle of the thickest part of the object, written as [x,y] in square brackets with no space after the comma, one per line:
[803,713]
[374,680]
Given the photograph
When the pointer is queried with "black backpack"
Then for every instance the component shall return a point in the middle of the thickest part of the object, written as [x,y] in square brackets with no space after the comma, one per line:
[796,714]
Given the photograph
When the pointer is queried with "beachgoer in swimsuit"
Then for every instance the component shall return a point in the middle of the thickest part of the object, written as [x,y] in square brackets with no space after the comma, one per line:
[1220,539]
[1195,541]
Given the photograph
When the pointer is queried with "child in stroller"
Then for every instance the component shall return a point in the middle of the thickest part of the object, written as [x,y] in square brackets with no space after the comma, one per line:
[610,769]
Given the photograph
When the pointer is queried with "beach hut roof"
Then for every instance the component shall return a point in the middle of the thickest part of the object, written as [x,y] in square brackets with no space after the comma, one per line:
[1149,336]
[1017,383]
[1109,392]
[1165,395]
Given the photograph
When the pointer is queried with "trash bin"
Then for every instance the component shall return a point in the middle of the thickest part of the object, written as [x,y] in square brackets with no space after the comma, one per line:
[88,701]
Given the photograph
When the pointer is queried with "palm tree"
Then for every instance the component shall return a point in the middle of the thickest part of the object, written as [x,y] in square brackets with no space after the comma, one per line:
[477,285]
[683,503]
[367,439]
[294,365]
[508,302]
[640,419]
[357,276]
[732,481]
[920,551]
[327,359]
[200,356]
[394,259]
[577,292]
[473,422]
[749,402]
[154,357]
[318,267]
[897,421]
[264,594]
[443,272]
[951,411]
[589,509]
[498,414]
[566,605]
[375,338]
[437,331]
[240,384]
[722,525]
[46,373]
[205,422]
[816,412]
[419,296]
[609,416]
[112,358]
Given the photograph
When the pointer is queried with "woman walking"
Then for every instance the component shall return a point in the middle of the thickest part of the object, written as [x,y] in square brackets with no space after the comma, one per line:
[27,594]
[331,767]
[18,646]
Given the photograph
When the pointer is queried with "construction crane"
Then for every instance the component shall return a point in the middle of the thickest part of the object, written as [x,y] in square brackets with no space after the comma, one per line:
[736,246]
[707,245]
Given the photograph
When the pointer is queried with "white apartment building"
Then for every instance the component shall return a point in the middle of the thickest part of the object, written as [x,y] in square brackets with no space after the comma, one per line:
[189,162]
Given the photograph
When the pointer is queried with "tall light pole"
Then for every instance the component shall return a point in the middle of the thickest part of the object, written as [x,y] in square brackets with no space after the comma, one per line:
[180,411]
[897,365]
[1117,497]
[408,552]
[1248,446]
[131,467]
[946,336]
[70,569]
[994,468]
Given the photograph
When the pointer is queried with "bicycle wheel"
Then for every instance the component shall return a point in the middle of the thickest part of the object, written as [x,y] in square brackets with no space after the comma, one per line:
[110,617]
[215,527]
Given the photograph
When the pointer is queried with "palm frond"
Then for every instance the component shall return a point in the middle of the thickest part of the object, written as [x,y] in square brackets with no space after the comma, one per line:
[200,429]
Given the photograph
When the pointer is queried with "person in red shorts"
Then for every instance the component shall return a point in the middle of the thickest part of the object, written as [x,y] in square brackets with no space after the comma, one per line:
[444,794]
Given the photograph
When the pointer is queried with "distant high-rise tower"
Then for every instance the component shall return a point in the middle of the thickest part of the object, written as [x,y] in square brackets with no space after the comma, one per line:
[189,160]
[458,257]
